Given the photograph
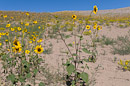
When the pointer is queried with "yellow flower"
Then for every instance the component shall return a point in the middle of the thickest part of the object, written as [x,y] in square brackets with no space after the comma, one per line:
[38,49]
[5,16]
[121,63]
[98,27]
[21,22]
[8,49]
[25,30]
[27,13]
[27,24]
[94,27]
[27,51]
[6,40]
[12,17]
[28,32]
[34,38]
[7,33]
[30,42]
[125,67]
[12,29]
[0,44]
[40,40]
[87,27]
[95,24]
[73,42]
[34,22]
[3,33]
[39,27]
[89,31]
[19,28]
[126,62]
[74,17]
[8,25]
[17,49]
[16,42]
[95,9]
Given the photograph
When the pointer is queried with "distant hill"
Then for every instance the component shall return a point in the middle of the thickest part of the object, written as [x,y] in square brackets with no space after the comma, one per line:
[113,12]
[123,12]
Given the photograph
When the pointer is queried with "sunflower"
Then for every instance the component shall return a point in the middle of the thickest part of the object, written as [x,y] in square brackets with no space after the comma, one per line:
[6,40]
[99,27]
[30,42]
[7,33]
[126,62]
[21,23]
[19,28]
[12,29]
[34,22]
[39,27]
[8,25]
[5,16]
[90,31]
[34,38]
[40,40]
[94,27]
[25,30]
[125,67]
[74,17]
[38,49]
[27,13]
[27,51]
[17,49]
[27,24]
[95,9]
[87,27]
[16,42]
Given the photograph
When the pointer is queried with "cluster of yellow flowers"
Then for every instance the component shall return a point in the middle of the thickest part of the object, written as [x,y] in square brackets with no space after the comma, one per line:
[125,64]
[2,33]
[17,46]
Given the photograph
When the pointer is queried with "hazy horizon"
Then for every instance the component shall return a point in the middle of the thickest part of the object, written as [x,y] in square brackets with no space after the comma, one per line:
[58,5]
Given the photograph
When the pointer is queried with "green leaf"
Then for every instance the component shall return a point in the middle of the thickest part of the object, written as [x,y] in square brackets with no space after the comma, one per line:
[70,69]
[86,51]
[11,77]
[67,63]
[70,45]
[75,54]
[86,60]
[84,76]
[67,36]
[22,79]
[73,83]
[10,59]
[41,84]
[87,66]
[35,71]
[71,58]
[28,75]
[40,60]
[28,85]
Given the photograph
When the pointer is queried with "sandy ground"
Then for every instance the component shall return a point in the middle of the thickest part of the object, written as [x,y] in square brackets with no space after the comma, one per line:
[104,72]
